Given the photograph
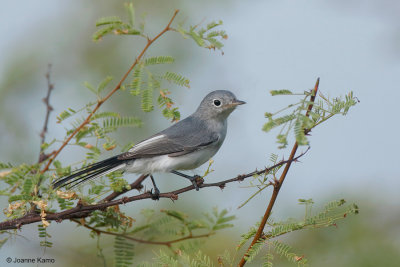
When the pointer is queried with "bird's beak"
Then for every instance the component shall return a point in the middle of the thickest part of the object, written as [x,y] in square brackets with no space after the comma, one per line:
[238,102]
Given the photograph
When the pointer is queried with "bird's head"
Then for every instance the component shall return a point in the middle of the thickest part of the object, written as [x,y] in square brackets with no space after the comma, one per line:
[218,104]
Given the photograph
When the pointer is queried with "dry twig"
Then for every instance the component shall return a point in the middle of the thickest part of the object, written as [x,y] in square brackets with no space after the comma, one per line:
[49,108]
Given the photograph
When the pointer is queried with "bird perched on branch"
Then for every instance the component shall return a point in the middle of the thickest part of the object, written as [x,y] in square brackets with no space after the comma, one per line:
[184,146]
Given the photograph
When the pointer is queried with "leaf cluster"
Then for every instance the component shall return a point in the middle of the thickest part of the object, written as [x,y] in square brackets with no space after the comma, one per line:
[115,25]
[144,83]
[123,252]
[293,117]
[207,37]
[165,227]
[261,182]
[328,216]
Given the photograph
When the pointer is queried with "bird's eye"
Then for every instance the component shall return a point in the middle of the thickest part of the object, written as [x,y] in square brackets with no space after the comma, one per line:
[216,102]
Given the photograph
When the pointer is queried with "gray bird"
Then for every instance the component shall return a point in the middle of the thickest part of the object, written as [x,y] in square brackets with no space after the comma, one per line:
[184,146]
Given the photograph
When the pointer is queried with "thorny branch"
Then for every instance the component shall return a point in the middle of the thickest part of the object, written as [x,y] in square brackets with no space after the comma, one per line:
[49,108]
[278,183]
[116,88]
[83,211]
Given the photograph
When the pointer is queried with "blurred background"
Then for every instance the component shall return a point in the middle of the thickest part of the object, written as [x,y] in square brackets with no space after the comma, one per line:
[351,45]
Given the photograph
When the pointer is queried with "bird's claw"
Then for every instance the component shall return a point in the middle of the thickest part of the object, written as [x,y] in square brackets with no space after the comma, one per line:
[155,195]
[196,180]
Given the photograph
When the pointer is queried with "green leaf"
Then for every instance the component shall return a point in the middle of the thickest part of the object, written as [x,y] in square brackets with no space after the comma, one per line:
[19,197]
[268,260]
[199,41]
[222,226]
[116,122]
[108,20]
[123,252]
[45,145]
[131,13]
[104,31]
[139,229]
[177,79]
[27,187]
[216,34]
[272,123]
[213,24]
[63,115]
[5,165]
[301,138]
[147,96]
[176,214]
[281,92]
[254,250]
[90,87]
[104,83]
[106,114]
[136,83]
[159,60]
[225,219]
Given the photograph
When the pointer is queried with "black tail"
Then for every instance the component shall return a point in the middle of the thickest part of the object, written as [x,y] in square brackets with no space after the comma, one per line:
[89,172]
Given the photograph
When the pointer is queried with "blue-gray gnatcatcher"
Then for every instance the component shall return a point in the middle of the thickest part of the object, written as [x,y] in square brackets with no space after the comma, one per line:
[184,146]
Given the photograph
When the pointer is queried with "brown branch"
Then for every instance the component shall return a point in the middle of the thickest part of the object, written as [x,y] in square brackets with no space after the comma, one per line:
[278,184]
[82,211]
[49,108]
[117,87]
[164,243]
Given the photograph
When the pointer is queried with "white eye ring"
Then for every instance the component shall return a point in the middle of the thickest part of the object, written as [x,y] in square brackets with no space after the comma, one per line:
[217,102]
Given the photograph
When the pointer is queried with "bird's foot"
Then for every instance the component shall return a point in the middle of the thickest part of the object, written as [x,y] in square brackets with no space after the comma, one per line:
[196,181]
[155,195]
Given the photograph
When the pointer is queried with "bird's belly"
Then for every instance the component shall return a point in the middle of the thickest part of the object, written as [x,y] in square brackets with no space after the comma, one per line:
[166,163]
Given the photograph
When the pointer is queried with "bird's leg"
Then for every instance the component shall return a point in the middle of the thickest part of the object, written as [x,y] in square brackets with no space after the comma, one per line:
[190,178]
[156,194]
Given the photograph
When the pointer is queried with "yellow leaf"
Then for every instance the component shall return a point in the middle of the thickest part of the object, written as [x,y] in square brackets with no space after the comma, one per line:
[66,195]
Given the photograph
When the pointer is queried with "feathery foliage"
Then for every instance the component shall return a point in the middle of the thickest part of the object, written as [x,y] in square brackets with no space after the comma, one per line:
[28,190]
[295,118]
[43,235]
[123,252]
[329,216]
[206,37]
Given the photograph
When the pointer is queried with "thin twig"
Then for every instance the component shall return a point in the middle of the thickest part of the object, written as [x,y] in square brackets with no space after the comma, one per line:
[278,183]
[163,243]
[117,87]
[83,211]
[49,108]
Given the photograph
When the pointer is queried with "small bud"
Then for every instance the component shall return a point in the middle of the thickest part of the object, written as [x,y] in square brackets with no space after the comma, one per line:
[88,146]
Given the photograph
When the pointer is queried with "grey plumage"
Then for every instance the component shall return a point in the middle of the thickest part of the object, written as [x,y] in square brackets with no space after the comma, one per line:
[181,138]
[185,145]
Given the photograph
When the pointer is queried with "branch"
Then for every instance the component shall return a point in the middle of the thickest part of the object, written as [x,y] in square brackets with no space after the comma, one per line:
[164,243]
[49,108]
[83,211]
[117,87]
[277,184]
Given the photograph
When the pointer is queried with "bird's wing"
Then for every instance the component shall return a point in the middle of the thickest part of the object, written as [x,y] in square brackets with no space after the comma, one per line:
[181,138]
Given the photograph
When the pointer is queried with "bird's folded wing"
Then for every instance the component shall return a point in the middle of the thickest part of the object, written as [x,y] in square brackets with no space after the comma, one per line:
[163,145]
